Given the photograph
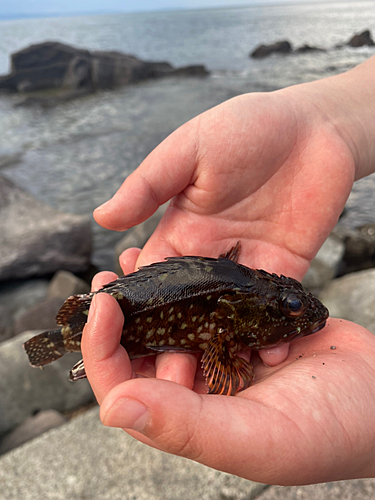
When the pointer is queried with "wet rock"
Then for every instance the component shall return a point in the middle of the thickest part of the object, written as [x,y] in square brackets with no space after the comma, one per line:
[64,284]
[31,428]
[73,71]
[282,47]
[309,48]
[41,316]
[361,39]
[138,235]
[352,297]
[15,298]
[25,390]
[36,239]
[325,265]
[359,247]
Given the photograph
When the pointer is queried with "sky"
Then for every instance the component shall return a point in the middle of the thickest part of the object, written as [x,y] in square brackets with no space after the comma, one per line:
[61,7]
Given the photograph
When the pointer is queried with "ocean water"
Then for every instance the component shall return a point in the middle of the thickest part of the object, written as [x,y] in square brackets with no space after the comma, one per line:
[75,155]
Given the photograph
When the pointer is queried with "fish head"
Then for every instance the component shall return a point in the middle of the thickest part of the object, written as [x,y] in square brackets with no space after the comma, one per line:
[280,310]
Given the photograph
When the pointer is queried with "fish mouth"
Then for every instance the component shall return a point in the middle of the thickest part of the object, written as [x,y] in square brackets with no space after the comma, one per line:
[316,327]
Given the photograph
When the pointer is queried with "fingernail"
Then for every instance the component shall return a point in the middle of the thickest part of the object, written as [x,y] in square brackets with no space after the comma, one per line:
[91,310]
[103,205]
[126,413]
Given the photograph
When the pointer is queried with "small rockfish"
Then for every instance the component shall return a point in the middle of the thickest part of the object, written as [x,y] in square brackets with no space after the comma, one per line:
[194,304]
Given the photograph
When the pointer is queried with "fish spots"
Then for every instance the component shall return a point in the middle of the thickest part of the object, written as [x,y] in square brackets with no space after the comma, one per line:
[194,318]
[171,341]
[171,317]
[183,326]
[203,345]
[209,297]
[149,319]
[137,320]
[163,277]
[160,331]
[118,295]
[149,334]
[161,315]
[208,269]
[179,315]
[205,336]
[191,336]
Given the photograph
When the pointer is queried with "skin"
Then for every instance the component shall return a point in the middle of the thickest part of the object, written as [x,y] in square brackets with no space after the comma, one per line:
[274,171]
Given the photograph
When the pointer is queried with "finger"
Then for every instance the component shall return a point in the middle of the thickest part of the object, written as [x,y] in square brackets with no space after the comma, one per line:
[274,356]
[209,429]
[106,361]
[163,174]
[128,259]
[101,279]
[177,367]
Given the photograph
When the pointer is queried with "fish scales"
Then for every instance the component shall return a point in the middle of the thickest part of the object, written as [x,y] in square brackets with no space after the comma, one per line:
[194,304]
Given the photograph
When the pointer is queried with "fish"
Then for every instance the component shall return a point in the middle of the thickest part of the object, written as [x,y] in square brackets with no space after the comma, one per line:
[213,306]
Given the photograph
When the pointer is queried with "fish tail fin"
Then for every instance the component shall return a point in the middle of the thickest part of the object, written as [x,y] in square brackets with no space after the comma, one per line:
[45,347]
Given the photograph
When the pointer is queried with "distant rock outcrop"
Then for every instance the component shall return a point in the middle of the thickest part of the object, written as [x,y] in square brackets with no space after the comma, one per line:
[361,39]
[54,65]
[282,47]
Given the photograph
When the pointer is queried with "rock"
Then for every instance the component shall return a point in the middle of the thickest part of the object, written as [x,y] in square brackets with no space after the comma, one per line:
[65,284]
[85,460]
[352,297]
[25,390]
[31,428]
[36,239]
[309,48]
[359,247]
[73,71]
[325,265]
[138,235]
[357,489]
[15,298]
[283,47]
[361,39]
[41,316]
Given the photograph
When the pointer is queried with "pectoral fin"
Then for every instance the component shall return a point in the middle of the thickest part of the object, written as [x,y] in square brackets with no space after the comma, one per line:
[225,372]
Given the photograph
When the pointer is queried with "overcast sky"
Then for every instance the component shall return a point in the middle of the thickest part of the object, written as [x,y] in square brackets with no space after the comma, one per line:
[101,6]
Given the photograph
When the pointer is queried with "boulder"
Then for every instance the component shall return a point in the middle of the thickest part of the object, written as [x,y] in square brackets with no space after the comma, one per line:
[26,390]
[64,284]
[41,316]
[15,298]
[359,247]
[36,239]
[361,39]
[325,265]
[73,71]
[352,297]
[282,47]
[138,235]
[31,428]
[309,48]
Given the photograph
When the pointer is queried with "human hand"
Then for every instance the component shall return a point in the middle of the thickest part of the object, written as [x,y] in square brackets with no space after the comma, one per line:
[310,419]
[265,169]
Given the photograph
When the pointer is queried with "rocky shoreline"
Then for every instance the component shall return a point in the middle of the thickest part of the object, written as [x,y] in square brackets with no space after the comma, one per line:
[342,274]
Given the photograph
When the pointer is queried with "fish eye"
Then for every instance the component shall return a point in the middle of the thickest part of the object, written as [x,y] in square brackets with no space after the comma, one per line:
[293,306]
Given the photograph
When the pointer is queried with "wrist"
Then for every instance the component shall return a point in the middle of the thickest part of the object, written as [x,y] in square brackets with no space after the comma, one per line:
[346,103]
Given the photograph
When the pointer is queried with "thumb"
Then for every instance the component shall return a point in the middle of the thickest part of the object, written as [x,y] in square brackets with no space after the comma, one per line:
[231,434]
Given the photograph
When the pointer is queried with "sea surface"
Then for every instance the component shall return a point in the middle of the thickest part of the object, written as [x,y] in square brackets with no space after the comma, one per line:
[75,155]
